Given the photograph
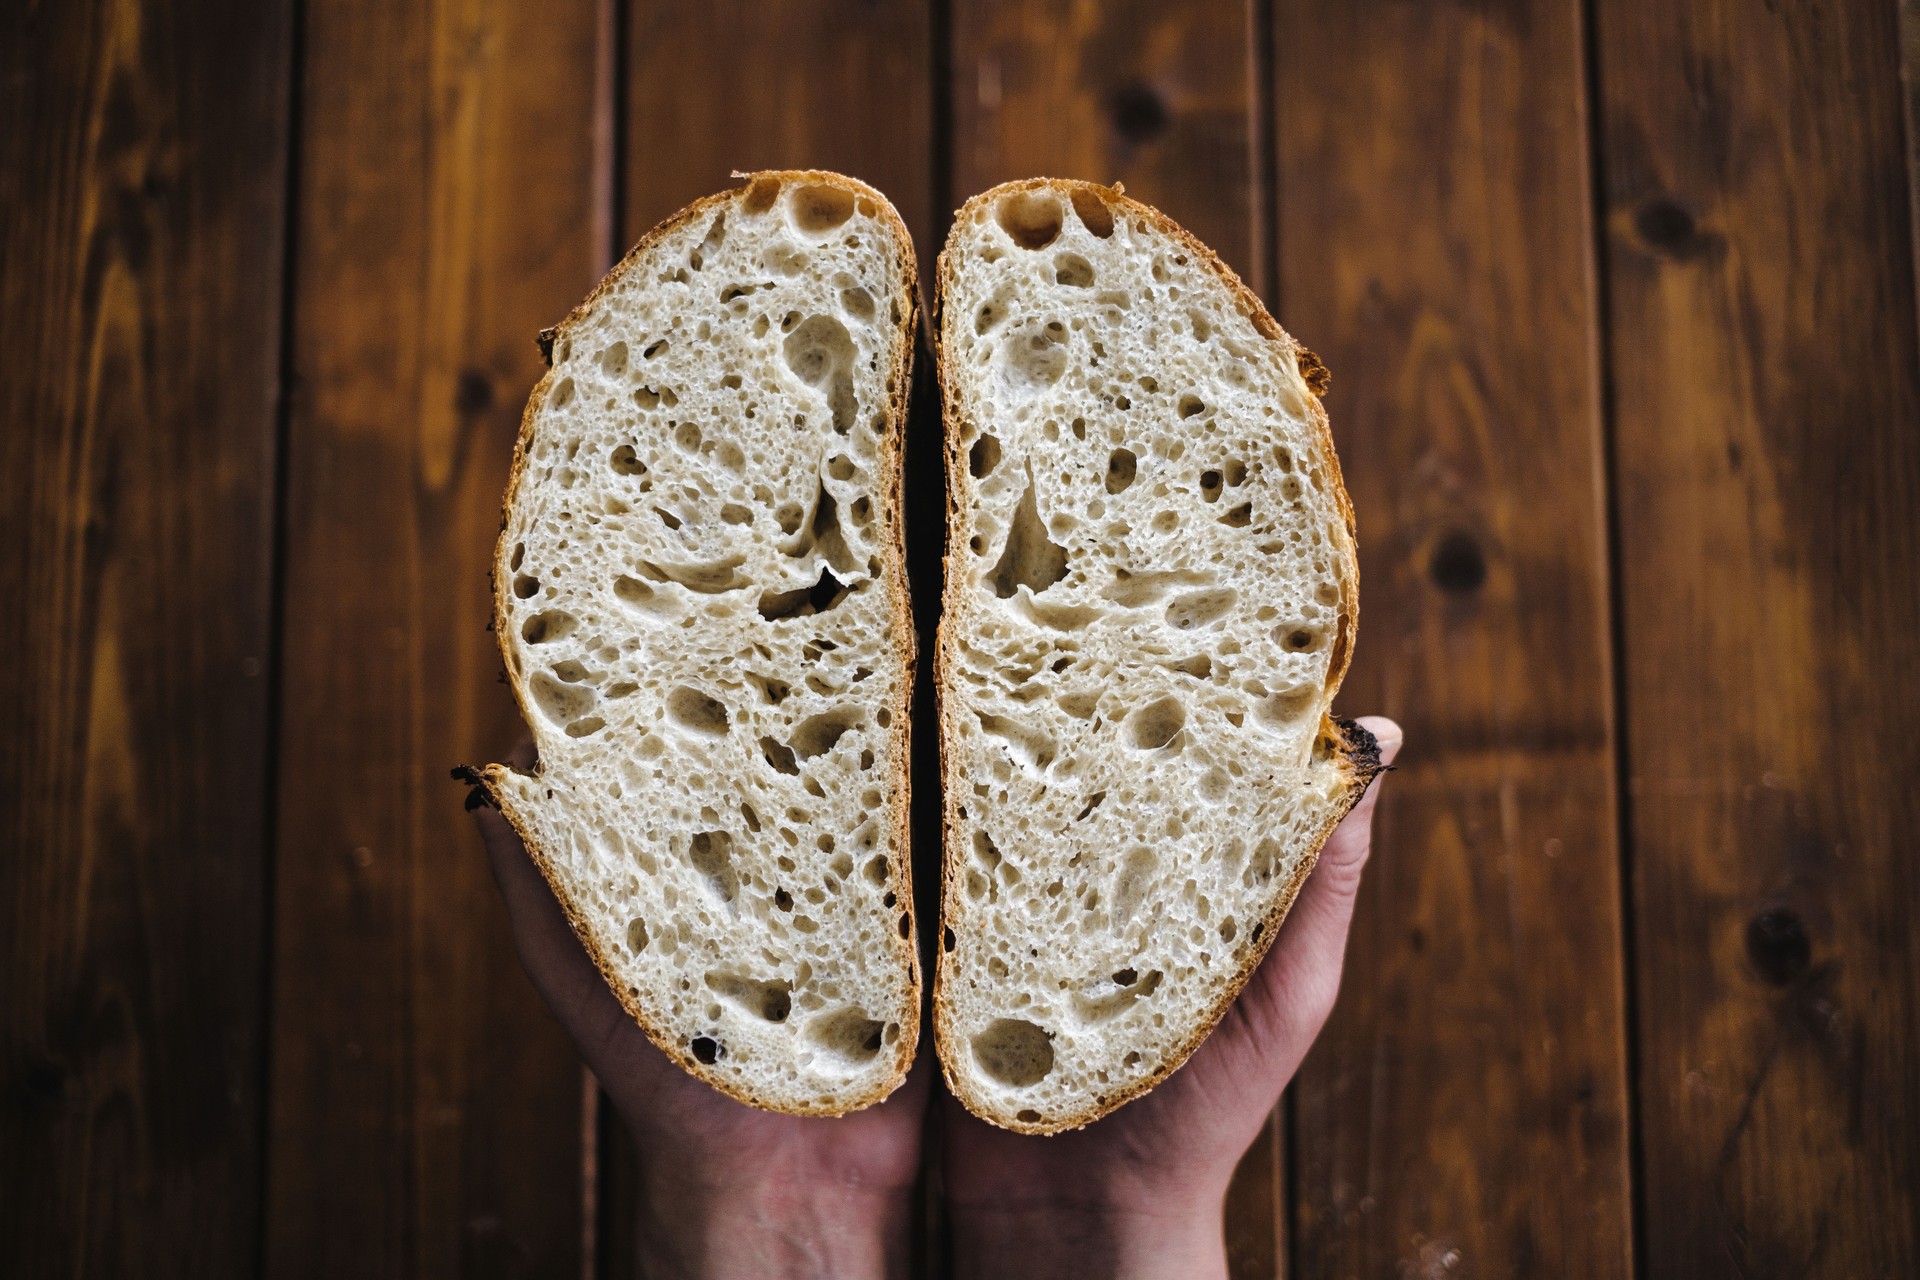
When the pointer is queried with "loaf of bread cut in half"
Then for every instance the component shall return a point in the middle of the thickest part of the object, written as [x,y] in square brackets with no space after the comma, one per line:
[1151,597]
[701,598]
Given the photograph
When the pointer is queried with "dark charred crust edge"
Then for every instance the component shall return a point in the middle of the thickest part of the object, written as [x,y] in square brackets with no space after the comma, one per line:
[479,794]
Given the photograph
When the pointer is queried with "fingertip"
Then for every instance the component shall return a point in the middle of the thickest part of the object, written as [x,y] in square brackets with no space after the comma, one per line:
[1386,733]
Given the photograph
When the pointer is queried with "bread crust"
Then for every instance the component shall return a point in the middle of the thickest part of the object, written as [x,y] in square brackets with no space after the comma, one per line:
[491,778]
[1354,748]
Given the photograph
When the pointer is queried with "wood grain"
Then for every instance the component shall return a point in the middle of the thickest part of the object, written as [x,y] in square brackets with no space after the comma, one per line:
[1161,98]
[729,85]
[1465,1112]
[142,222]
[1767,453]
[1158,96]
[426,1109]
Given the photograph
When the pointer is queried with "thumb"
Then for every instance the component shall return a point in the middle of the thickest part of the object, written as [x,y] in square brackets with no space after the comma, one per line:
[1294,991]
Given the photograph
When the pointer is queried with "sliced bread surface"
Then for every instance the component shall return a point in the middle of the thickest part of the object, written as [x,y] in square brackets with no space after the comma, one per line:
[1151,599]
[701,600]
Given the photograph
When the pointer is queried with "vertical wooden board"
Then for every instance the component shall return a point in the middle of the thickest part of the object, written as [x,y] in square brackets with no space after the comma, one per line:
[142,226]
[1155,95]
[1767,448]
[729,85]
[1162,98]
[1466,1110]
[426,1108]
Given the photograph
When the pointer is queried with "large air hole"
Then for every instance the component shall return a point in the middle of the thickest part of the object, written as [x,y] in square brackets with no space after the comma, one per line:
[1093,212]
[1156,724]
[545,628]
[1108,1000]
[1031,218]
[761,195]
[711,853]
[1014,1052]
[1132,883]
[771,1000]
[1034,358]
[636,935]
[560,702]
[1032,749]
[818,209]
[817,735]
[626,462]
[1073,270]
[846,1037]
[820,352]
[1030,559]
[696,712]
[1198,608]
[803,602]
[710,578]
[984,456]
[780,756]
[1122,466]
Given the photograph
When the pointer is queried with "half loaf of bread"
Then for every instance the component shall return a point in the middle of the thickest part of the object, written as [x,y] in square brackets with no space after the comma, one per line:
[701,600]
[1151,598]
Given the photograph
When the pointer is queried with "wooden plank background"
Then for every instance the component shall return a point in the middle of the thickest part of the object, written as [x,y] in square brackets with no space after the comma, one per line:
[1620,303]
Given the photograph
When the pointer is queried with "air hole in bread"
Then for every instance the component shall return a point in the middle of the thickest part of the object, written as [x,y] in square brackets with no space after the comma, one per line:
[1298,639]
[847,1037]
[1122,466]
[560,702]
[1156,724]
[803,602]
[1073,270]
[1030,558]
[1191,406]
[697,713]
[1262,865]
[548,626]
[1032,750]
[626,462]
[1236,473]
[761,194]
[1198,608]
[1031,219]
[711,853]
[1034,358]
[984,456]
[771,1000]
[706,1050]
[1106,1001]
[613,359]
[1014,1052]
[840,467]
[816,735]
[858,303]
[1238,517]
[820,352]
[561,395]
[1209,486]
[525,586]
[818,209]
[1093,212]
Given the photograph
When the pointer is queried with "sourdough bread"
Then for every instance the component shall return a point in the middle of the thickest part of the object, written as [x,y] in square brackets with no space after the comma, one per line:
[701,600]
[1151,599]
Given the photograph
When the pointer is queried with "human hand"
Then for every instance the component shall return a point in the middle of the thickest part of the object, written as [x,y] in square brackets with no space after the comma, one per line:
[1139,1193]
[726,1190]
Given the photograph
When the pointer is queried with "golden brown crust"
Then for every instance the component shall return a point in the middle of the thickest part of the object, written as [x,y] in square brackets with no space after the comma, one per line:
[492,777]
[1350,743]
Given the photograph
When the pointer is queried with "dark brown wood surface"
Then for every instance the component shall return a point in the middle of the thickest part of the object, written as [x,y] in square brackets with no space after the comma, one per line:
[426,1108]
[1767,454]
[143,161]
[1164,99]
[1620,305]
[1466,1111]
